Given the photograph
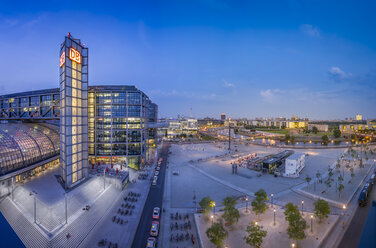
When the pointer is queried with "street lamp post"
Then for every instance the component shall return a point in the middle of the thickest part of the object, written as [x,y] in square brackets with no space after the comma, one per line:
[311,223]
[104,178]
[66,208]
[35,208]
[302,206]
[12,188]
[212,217]
[272,195]
[33,193]
[344,209]
[246,204]
[214,207]
[274,217]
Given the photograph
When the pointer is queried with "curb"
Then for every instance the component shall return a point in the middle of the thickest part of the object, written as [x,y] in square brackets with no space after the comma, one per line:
[198,232]
[328,232]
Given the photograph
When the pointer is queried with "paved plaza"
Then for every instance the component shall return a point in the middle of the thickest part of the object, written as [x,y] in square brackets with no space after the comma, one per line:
[213,177]
[205,170]
[276,232]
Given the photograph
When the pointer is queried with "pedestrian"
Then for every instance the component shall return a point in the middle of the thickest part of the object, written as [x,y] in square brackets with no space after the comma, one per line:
[343,224]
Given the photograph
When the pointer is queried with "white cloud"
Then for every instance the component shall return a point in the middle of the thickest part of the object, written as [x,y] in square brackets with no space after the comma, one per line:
[228,84]
[268,95]
[338,73]
[310,30]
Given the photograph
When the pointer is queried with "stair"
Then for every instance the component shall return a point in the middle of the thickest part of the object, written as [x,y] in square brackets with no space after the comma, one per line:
[26,231]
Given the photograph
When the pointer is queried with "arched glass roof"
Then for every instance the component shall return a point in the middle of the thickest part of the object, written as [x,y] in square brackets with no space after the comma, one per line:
[23,144]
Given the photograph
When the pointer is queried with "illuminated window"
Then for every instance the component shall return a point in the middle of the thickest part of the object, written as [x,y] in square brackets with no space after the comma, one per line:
[74,148]
[74,177]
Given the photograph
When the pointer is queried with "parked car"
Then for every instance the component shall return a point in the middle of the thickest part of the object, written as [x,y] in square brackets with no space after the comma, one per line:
[373,178]
[151,242]
[158,168]
[154,182]
[176,173]
[363,197]
[156,212]
[156,173]
[154,228]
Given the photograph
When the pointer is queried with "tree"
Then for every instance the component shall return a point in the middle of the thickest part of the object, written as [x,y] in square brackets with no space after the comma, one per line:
[322,209]
[231,214]
[325,139]
[330,172]
[206,204]
[287,137]
[328,183]
[217,233]
[352,173]
[255,235]
[340,188]
[308,180]
[361,163]
[338,165]
[259,203]
[297,224]
[315,130]
[318,176]
[336,133]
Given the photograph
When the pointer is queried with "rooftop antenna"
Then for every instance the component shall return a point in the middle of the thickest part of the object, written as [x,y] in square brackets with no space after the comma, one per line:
[191,111]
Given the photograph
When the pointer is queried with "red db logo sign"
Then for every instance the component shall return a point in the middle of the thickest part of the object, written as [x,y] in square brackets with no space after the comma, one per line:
[74,55]
[62,59]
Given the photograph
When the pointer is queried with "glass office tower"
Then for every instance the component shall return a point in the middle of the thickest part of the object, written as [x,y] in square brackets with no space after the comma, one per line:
[73,111]
[118,125]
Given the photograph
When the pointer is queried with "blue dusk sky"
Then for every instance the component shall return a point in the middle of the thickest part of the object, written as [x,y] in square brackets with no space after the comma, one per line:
[314,59]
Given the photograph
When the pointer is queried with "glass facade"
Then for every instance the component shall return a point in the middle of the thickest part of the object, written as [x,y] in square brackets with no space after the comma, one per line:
[43,104]
[24,144]
[118,118]
[118,121]
[74,112]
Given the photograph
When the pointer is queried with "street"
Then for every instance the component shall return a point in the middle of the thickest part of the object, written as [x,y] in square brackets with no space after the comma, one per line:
[354,231]
[153,200]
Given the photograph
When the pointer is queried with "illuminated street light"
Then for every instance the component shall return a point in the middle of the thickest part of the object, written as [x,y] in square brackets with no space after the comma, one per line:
[212,218]
[274,217]
[302,206]
[272,195]
[311,223]
[246,204]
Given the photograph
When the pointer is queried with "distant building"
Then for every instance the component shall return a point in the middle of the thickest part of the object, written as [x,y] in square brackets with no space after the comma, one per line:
[371,125]
[294,164]
[276,161]
[209,122]
[177,127]
[223,117]
[359,117]
[320,127]
[279,122]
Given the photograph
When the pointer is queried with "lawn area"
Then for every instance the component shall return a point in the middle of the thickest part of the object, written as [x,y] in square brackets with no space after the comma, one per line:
[279,131]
